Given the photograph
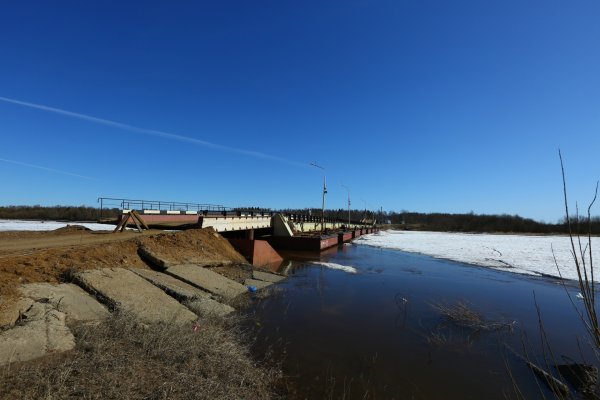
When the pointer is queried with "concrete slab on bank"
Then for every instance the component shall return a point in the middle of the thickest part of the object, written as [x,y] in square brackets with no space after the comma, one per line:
[128,292]
[67,298]
[197,300]
[208,280]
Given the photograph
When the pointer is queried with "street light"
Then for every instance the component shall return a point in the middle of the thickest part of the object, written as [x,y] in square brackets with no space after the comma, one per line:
[348,189]
[324,193]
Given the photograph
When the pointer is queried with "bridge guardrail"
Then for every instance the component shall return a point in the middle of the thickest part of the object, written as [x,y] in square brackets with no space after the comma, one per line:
[208,209]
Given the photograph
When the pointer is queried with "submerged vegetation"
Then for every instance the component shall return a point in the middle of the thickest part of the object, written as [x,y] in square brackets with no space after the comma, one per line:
[463,315]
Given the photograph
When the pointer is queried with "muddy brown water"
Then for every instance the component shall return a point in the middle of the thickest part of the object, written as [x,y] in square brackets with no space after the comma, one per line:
[376,335]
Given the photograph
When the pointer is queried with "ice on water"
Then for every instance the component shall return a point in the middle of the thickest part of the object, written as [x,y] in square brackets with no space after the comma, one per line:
[523,254]
[345,268]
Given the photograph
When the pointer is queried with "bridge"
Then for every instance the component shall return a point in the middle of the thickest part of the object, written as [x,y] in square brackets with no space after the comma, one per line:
[173,215]
[257,234]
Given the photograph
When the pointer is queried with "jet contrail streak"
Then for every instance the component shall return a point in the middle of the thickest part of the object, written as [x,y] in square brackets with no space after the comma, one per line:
[58,171]
[150,132]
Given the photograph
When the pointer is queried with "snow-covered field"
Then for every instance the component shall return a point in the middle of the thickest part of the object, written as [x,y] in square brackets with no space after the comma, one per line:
[516,253]
[18,225]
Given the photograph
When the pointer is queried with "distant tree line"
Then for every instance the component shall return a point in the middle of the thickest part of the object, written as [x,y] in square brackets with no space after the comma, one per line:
[469,222]
[488,223]
[57,213]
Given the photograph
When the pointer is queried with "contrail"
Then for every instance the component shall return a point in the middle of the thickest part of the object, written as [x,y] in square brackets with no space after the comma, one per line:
[58,171]
[150,132]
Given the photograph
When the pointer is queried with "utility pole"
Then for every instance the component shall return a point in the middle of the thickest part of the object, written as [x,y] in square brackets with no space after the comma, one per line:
[348,189]
[324,193]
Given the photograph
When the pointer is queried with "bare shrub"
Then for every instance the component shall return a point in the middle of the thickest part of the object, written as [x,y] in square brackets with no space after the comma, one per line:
[581,252]
[581,376]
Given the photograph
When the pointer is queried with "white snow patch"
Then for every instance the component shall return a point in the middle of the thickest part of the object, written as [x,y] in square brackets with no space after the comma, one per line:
[522,254]
[20,225]
[345,268]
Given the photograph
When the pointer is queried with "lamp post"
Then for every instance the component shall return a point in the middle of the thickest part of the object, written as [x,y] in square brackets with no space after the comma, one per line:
[324,193]
[348,189]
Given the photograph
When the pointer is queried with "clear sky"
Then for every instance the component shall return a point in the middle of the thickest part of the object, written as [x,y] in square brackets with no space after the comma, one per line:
[450,106]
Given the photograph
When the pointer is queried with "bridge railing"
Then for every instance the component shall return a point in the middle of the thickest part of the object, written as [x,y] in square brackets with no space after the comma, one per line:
[137,204]
[160,205]
[208,209]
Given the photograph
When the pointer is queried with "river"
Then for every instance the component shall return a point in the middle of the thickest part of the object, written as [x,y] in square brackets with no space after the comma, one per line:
[360,321]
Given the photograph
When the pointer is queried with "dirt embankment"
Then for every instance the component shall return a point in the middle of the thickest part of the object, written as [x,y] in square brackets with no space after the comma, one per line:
[120,357]
[27,257]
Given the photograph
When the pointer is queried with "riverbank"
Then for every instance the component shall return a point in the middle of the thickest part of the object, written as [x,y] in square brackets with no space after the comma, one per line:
[155,317]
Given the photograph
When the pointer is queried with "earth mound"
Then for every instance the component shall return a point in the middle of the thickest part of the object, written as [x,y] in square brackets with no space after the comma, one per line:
[39,264]
[72,228]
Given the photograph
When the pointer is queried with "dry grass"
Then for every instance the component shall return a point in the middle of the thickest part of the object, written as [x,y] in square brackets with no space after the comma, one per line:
[123,359]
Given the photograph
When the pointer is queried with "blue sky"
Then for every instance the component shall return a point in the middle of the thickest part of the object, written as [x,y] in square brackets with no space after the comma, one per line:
[418,105]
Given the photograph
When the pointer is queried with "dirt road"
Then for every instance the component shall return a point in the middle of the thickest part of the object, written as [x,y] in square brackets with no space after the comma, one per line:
[25,243]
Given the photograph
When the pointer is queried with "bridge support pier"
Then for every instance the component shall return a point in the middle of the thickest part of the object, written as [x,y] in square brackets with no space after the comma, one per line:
[258,252]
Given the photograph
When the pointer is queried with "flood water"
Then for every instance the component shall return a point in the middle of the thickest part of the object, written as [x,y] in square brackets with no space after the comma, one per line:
[376,334]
